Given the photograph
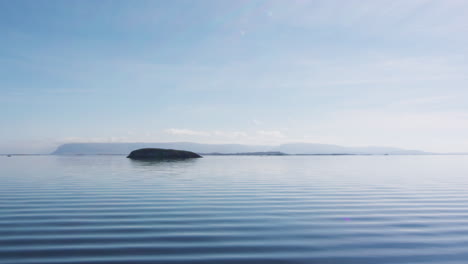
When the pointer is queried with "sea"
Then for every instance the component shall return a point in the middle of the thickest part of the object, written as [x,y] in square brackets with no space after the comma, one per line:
[234,209]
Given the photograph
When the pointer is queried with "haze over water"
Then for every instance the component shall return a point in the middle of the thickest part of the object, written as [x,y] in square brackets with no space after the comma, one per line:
[287,209]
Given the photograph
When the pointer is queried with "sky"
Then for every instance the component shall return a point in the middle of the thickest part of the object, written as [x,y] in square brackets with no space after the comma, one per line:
[354,73]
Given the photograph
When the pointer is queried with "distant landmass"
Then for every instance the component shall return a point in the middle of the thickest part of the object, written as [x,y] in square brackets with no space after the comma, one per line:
[233,149]
[270,153]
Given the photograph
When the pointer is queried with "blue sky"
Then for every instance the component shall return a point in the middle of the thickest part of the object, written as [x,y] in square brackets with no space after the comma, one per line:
[355,73]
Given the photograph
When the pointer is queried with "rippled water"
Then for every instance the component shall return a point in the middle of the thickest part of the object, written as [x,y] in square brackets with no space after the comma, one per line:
[311,209]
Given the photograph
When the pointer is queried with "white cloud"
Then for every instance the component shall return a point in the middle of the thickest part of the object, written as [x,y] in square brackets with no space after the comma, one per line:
[230,134]
[215,133]
[272,133]
[186,132]
[257,122]
[226,136]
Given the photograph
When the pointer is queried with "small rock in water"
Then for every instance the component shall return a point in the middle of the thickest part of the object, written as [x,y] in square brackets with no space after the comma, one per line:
[161,154]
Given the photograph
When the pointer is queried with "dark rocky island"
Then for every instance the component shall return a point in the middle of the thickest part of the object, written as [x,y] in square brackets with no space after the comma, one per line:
[161,154]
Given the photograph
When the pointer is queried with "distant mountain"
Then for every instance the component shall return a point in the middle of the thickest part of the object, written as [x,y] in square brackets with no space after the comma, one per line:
[310,148]
[269,153]
[291,148]
[125,148]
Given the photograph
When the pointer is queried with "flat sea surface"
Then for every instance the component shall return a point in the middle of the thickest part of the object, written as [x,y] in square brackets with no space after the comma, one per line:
[284,209]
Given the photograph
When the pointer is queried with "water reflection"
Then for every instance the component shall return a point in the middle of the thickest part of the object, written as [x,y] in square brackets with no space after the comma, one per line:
[110,209]
[165,163]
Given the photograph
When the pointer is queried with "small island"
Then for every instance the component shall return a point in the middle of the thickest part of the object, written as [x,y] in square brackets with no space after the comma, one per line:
[267,153]
[161,154]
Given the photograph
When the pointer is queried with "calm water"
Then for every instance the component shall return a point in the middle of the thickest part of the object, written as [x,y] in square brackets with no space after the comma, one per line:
[345,209]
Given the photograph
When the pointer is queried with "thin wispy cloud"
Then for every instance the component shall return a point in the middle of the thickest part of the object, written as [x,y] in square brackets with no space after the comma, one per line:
[275,134]
[216,133]
[346,72]
[187,132]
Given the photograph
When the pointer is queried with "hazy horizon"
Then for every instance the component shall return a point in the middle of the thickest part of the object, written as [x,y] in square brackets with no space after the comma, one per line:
[93,148]
[350,73]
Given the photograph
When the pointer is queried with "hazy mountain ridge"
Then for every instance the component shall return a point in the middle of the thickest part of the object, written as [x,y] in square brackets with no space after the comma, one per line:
[290,148]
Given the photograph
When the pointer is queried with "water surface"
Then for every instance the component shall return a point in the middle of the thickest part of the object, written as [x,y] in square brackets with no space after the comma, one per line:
[286,209]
